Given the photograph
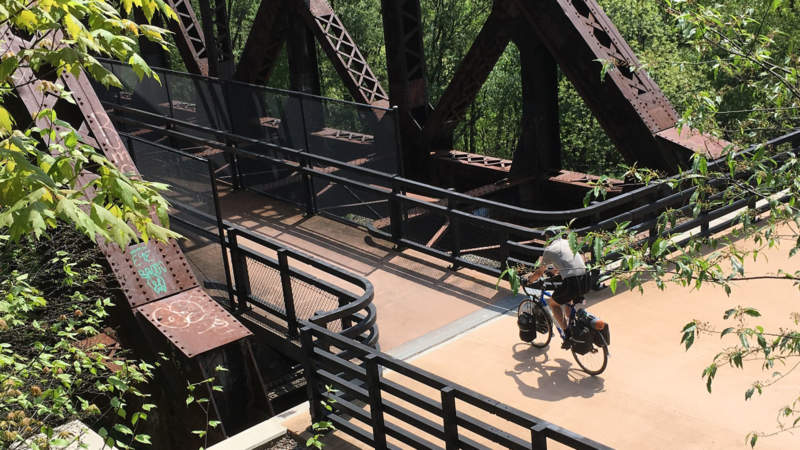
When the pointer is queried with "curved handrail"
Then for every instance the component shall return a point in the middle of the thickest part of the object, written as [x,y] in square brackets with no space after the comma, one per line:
[364,327]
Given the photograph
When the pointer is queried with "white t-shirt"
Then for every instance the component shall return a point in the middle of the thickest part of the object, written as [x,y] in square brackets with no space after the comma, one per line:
[559,255]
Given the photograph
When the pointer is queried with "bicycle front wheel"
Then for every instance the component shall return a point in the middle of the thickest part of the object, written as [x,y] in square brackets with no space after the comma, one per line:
[593,362]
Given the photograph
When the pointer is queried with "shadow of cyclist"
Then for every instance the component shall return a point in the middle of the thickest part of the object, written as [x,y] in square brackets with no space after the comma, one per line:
[558,378]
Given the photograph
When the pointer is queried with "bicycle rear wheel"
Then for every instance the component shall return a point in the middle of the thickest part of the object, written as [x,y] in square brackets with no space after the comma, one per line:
[542,322]
[593,362]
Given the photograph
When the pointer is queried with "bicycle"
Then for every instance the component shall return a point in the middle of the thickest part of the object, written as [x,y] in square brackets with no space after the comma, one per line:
[589,336]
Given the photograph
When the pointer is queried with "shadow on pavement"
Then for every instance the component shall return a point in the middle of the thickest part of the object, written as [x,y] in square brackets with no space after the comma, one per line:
[558,378]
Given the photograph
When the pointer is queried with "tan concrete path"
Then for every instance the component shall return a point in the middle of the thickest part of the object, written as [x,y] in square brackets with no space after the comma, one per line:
[651,395]
[415,294]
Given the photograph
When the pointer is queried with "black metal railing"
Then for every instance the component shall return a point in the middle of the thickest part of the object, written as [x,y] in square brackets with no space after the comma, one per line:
[322,126]
[353,380]
[276,291]
[336,329]
[291,294]
[404,210]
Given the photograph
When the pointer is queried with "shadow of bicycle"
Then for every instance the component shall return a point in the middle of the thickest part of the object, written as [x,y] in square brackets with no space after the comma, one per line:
[557,378]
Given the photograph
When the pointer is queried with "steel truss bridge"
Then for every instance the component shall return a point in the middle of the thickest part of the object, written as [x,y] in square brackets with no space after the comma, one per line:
[383,162]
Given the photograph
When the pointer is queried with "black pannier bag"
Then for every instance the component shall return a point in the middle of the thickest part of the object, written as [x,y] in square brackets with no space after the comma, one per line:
[582,339]
[602,335]
[526,324]
[542,322]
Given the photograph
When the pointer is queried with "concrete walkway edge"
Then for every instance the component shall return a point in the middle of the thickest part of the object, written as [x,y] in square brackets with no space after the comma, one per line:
[454,329]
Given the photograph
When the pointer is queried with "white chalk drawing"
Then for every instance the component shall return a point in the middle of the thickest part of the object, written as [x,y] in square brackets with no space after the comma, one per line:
[183,314]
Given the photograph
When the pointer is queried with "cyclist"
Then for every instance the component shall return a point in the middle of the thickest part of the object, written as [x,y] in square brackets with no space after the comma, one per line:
[559,259]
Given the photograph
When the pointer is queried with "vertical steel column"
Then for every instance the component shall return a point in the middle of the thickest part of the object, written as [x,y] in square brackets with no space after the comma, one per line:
[375,402]
[288,295]
[210,40]
[309,368]
[264,42]
[225,48]
[240,271]
[450,417]
[538,437]
[539,149]
[405,57]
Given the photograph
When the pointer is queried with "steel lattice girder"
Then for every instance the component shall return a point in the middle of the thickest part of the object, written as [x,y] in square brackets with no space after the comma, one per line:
[343,53]
[627,102]
[189,37]
[270,30]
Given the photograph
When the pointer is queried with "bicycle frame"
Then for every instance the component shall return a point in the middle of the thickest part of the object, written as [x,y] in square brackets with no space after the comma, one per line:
[546,306]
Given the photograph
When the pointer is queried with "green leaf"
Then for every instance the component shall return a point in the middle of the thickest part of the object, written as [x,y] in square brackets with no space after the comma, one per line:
[613,285]
[726,331]
[123,429]
[189,400]
[737,265]
[139,66]
[143,438]
[752,312]
[6,122]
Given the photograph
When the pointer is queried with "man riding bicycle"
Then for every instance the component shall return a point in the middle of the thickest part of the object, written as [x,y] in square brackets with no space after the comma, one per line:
[559,259]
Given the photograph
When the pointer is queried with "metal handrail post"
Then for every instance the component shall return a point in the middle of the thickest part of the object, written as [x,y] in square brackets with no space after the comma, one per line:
[288,296]
[221,230]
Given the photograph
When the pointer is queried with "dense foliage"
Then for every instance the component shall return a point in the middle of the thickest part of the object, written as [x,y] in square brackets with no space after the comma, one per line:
[54,300]
[45,168]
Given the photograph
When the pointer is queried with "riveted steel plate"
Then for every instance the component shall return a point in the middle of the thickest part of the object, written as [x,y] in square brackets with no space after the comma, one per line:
[150,271]
[695,141]
[193,322]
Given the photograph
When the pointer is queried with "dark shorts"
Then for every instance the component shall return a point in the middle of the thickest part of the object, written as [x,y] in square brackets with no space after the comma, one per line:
[570,289]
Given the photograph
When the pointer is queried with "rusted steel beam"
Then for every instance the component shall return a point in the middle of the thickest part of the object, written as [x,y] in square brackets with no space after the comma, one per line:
[343,52]
[302,55]
[405,57]
[223,38]
[264,42]
[147,272]
[212,49]
[467,81]
[193,322]
[539,149]
[189,37]
[627,103]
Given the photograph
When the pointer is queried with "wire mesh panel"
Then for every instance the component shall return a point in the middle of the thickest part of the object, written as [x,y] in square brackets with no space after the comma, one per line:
[269,171]
[189,180]
[265,284]
[350,194]
[350,132]
[309,299]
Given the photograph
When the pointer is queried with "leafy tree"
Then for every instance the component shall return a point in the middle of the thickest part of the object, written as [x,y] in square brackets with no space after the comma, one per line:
[52,305]
[53,369]
[46,170]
